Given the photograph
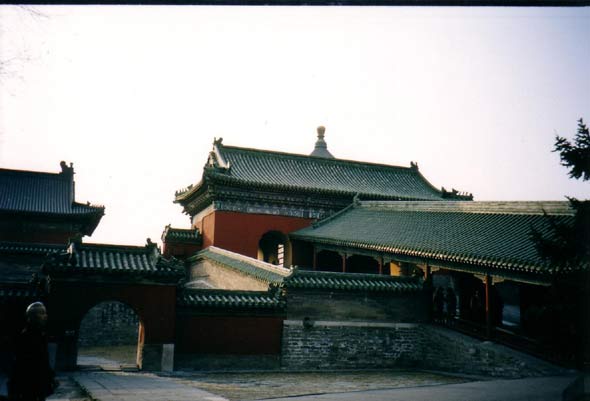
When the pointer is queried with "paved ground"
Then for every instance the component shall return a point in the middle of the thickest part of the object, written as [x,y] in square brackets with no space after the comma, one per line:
[537,389]
[126,386]
[130,386]
[247,386]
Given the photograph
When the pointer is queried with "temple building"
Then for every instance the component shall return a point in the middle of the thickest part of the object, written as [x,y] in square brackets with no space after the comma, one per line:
[303,262]
[265,195]
[319,213]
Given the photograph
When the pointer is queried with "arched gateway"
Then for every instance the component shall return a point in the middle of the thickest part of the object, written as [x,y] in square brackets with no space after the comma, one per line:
[90,274]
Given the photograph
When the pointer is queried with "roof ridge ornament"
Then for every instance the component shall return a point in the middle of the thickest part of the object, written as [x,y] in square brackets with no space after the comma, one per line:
[65,169]
[321,147]
[216,159]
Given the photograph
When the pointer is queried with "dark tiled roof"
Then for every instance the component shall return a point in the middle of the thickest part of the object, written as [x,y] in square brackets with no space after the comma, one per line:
[23,292]
[489,235]
[190,235]
[292,172]
[230,299]
[39,192]
[19,261]
[252,267]
[351,281]
[29,248]
[114,259]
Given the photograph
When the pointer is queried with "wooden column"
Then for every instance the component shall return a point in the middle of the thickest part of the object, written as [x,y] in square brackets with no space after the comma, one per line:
[380,261]
[343,255]
[428,276]
[488,283]
[315,259]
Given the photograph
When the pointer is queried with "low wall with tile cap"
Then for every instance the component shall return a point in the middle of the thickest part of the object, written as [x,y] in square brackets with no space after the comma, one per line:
[362,345]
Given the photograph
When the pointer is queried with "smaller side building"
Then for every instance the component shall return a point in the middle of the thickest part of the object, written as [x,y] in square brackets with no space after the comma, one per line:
[480,258]
[239,309]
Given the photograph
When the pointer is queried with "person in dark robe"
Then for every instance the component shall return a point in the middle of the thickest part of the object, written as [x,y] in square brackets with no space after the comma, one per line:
[32,377]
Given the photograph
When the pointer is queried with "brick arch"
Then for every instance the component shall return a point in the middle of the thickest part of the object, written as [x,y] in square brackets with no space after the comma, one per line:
[109,324]
[69,301]
[267,248]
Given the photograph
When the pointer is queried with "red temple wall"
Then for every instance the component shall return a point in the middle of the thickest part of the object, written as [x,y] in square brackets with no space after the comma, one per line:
[155,305]
[239,335]
[241,232]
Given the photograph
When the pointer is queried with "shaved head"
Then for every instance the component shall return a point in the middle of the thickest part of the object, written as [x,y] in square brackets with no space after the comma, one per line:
[36,314]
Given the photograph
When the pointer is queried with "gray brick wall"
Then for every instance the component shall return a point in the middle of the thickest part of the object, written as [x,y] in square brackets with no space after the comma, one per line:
[354,345]
[109,323]
[350,345]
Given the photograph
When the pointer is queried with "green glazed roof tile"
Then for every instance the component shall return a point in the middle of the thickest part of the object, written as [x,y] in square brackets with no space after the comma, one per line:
[492,234]
[184,235]
[230,299]
[351,281]
[114,259]
[294,172]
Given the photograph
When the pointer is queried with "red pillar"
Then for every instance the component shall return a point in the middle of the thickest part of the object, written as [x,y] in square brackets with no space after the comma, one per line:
[343,263]
[315,259]
[380,261]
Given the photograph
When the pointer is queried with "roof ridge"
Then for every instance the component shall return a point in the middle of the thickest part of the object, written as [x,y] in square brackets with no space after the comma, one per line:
[562,208]
[316,158]
[33,172]
[282,271]
[340,212]
[91,245]
[213,291]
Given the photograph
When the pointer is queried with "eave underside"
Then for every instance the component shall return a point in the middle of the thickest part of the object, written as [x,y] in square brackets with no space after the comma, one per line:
[442,261]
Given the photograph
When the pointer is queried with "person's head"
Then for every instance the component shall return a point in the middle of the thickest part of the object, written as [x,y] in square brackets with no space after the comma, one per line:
[36,315]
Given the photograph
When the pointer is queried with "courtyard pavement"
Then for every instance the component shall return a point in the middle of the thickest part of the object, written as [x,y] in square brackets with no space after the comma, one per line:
[128,386]
[537,389]
[125,386]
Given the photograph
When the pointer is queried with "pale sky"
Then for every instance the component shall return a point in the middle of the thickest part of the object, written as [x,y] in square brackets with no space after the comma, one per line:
[134,96]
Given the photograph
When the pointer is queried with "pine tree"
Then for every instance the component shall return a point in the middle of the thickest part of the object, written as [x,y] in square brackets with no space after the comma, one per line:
[569,245]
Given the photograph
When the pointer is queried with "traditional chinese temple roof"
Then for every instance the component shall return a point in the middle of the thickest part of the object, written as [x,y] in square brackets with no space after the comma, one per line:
[255,268]
[29,248]
[40,192]
[277,171]
[351,281]
[491,236]
[19,261]
[183,235]
[114,259]
[230,299]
